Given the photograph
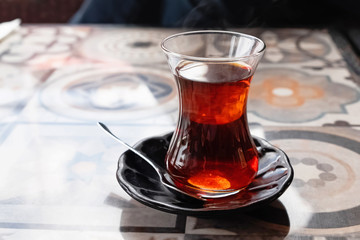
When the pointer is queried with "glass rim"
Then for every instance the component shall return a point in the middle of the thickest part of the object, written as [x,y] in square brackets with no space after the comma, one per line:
[215,59]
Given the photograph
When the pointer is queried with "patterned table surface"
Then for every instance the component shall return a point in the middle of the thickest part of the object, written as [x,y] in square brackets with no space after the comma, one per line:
[57,174]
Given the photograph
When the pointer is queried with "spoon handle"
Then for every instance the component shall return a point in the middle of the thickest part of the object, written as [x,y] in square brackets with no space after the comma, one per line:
[163,175]
[154,165]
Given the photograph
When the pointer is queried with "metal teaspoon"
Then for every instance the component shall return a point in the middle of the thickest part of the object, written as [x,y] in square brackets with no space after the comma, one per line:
[163,175]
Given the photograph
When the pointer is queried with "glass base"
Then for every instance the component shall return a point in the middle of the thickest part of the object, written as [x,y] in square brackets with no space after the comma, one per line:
[205,193]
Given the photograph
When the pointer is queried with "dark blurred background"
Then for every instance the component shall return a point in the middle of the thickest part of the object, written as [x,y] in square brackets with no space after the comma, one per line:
[188,13]
[39,11]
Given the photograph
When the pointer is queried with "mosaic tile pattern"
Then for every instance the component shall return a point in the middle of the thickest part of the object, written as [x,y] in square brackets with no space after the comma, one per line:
[125,45]
[302,80]
[115,93]
[292,96]
[57,175]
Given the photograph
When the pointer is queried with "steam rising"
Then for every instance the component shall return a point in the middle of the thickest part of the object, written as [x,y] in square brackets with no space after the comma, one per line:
[223,14]
[206,13]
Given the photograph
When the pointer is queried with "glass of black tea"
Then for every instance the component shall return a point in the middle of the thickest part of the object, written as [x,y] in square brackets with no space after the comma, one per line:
[212,153]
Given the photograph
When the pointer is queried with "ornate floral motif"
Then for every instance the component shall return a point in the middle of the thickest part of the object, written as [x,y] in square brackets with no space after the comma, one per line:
[284,46]
[281,93]
[320,172]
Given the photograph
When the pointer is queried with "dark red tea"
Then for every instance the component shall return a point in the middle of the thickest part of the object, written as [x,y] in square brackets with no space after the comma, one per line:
[212,148]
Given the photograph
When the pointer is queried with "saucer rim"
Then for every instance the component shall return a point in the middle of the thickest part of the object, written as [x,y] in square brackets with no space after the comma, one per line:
[203,211]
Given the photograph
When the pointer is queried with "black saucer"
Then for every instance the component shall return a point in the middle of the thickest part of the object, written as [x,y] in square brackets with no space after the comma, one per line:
[141,182]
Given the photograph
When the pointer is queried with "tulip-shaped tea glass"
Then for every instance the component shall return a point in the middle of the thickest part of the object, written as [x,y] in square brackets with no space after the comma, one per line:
[212,153]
